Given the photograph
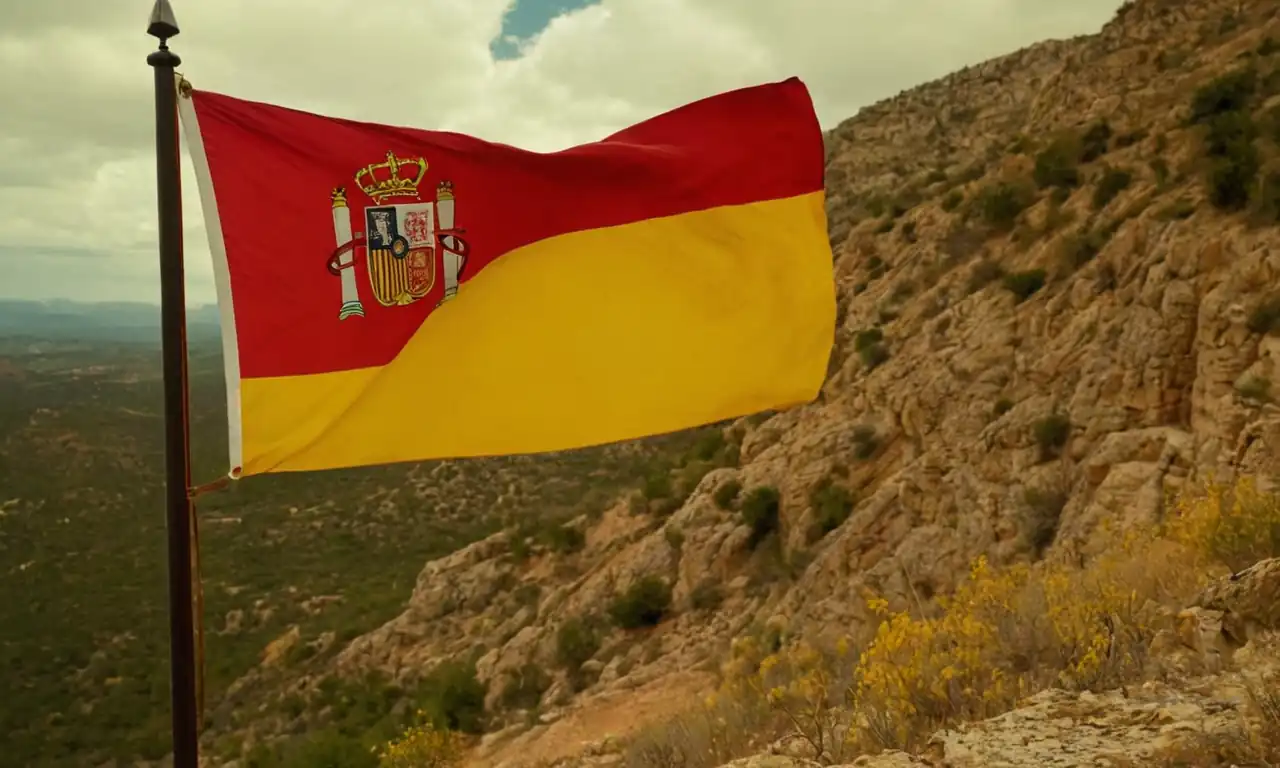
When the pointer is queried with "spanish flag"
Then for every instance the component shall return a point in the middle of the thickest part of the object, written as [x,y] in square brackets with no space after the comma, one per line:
[390,294]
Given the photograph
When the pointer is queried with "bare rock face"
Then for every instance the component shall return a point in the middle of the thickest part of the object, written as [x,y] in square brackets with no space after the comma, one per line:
[1247,603]
[1065,730]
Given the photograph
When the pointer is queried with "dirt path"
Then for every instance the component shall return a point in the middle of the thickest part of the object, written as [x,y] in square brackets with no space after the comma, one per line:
[614,714]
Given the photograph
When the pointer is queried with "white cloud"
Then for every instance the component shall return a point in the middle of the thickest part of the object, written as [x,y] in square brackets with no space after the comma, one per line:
[77,199]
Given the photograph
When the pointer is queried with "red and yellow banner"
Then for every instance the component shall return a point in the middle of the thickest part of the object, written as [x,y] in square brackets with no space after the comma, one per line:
[391,294]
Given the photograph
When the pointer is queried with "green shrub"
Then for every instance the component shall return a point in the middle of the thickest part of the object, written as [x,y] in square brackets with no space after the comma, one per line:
[1113,182]
[865,442]
[644,604]
[658,485]
[327,748]
[1231,178]
[1160,170]
[1265,317]
[1255,388]
[1227,135]
[1024,284]
[577,641]
[727,493]
[873,356]
[707,596]
[564,539]
[525,686]
[1230,93]
[1093,144]
[1043,516]
[454,698]
[867,338]
[876,267]
[1000,204]
[710,444]
[1234,161]
[1057,165]
[637,504]
[1077,249]
[760,511]
[831,505]
[870,348]
[1268,198]
[1051,433]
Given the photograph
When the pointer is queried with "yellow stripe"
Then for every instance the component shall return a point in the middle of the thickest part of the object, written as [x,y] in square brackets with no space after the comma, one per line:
[581,339]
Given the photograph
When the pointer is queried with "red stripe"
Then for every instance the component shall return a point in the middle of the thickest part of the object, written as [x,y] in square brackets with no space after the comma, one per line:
[273,169]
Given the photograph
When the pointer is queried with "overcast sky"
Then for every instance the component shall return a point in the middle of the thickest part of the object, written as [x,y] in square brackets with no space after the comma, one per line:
[77,168]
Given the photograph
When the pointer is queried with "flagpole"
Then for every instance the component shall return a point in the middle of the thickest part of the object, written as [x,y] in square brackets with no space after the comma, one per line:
[182,673]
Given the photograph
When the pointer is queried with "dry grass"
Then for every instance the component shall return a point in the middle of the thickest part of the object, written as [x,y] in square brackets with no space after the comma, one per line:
[1005,634]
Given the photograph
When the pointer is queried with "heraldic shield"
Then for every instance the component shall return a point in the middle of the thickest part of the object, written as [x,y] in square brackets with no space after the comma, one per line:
[402,241]
[401,251]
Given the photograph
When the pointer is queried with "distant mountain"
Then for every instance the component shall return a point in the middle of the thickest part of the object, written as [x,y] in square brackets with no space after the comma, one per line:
[97,321]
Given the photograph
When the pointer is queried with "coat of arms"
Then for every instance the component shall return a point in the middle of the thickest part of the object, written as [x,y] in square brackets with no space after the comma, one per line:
[406,244]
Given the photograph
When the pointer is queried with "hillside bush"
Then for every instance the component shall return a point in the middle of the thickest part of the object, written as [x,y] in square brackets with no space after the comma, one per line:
[830,504]
[760,511]
[1229,140]
[727,494]
[644,604]
[1231,92]
[422,746]
[1079,248]
[1265,316]
[1095,141]
[524,687]
[1057,165]
[564,539]
[865,442]
[1001,203]
[453,698]
[577,641]
[1051,434]
[1025,284]
[1113,182]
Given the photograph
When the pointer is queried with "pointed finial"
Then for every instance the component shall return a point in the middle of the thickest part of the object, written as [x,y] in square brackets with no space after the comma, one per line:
[162,24]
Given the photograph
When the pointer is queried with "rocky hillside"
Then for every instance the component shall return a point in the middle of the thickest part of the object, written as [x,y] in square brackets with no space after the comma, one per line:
[1059,297]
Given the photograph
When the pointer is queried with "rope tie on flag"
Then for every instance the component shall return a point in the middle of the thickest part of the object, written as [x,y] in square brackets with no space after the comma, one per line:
[197,585]
[198,591]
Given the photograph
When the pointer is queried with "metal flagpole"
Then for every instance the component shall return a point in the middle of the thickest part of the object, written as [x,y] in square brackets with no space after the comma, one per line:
[182,672]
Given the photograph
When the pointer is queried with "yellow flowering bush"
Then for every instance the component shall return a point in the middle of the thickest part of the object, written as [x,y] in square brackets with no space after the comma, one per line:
[422,746]
[803,686]
[1003,634]
[1235,525]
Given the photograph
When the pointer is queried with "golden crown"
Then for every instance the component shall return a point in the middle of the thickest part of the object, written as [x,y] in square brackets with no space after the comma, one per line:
[444,191]
[394,178]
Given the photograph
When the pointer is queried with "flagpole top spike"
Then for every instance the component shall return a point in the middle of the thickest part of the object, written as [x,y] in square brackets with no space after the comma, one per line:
[162,24]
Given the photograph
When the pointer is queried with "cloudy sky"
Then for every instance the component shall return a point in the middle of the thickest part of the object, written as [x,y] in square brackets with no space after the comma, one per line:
[77,169]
